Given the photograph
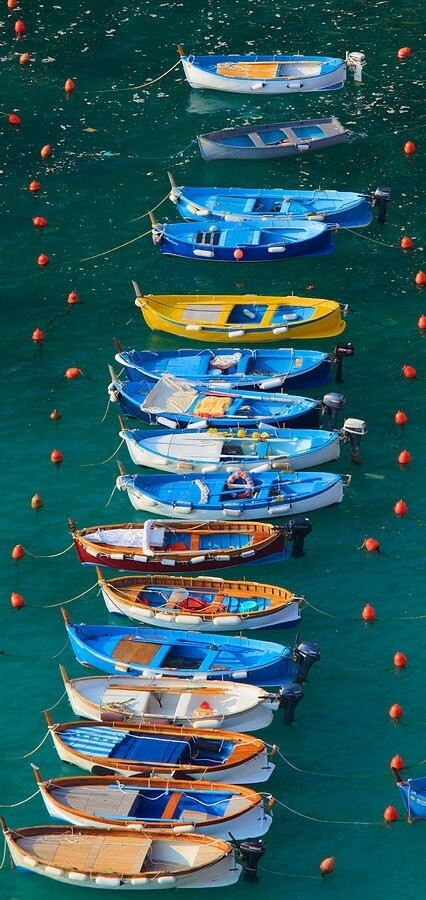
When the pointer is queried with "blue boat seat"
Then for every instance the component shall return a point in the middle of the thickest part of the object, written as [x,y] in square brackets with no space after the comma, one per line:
[249,206]
[256,237]
[152,749]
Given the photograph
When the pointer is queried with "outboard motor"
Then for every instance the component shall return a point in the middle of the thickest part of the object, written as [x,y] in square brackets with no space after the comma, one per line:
[380,198]
[355,61]
[298,529]
[331,404]
[340,352]
[289,695]
[250,851]
[304,656]
[352,432]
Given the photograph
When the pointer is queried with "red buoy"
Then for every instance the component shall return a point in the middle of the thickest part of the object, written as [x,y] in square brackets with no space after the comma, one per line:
[73,372]
[20,28]
[43,260]
[55,415]
[395,711]
[16,600]
[56,457]
[34,186]
[368,613]
[403,52]
[409,372]
[422,322]
[409,148]
[420,278]
[397,762]
[371,544]
[18,551]
[238,253]
[12,4]
[406,243]
[39,222]
[36,501]
[404,458]
[390,814]
[24,59]
[400,508]
[400,659]
[73,298]
[13,119]
[38,335]
[327,865]
[400,417]
[69,86]
[46,151]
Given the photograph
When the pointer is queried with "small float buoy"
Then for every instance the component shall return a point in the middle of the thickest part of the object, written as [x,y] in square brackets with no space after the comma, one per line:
[24,59]
[400,508]
[73,298]
[43,260]
[400,659]
[368,613]
[12,4]
[69,87]
[397,762]
[46,151]
[395,711]
[400,417]
[406,242]
[13,119]
[39,222]
[422,322]
[38,335]
[18,551]
[16,600]
[390,814]
[409,148]
[403,52]
[371,544]
[55,415]
[19,28]
[327,865]
[34,186]
[36,501]
[238,253]
[420,278]
[73,372]
[409,371]
[56,457]
[404,458]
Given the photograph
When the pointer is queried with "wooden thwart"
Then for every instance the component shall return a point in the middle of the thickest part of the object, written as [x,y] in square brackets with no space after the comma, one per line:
[128,650]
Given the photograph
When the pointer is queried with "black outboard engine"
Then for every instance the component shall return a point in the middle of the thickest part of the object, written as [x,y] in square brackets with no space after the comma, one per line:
[298,529]
[340,352]
[289,695]
[250,851]
[352,432]
[304,656]
[380,198]
[331,404]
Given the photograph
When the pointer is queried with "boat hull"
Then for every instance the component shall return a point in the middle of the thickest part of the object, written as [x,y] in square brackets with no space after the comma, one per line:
[298,136]
[173,242]
[198,76]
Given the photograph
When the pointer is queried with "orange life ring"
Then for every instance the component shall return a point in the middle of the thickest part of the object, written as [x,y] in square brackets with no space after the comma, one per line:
[241,478]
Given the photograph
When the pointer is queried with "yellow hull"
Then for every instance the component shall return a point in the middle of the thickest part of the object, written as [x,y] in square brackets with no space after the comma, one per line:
[206,317]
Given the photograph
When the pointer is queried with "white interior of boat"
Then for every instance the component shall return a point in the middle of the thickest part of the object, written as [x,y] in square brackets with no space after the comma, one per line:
[169,395]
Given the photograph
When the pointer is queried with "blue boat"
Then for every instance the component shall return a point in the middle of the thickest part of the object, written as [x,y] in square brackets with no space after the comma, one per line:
[172,402]
[184,654]
[268,370]
[240,495]
[413,793]
[243,241]
[269,206]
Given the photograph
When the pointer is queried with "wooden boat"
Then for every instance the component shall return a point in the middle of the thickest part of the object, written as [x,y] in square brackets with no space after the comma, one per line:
[254,73]
[165,804]
[200,604]
[270,207]
[240,495]
[271,141]
[413,793]
[90,857]
[215,318]
[173,402]
[230,449]
[243,242]
[124,749]
[267,370]
[170,701]
[186,547]
[117,649]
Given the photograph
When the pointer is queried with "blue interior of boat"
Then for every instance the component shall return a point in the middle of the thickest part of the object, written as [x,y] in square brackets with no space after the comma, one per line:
[158,597]
[308,131]
[151,804]
[250,312]
[158,748]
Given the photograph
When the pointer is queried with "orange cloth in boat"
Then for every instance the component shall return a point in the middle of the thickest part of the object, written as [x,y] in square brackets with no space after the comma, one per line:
[210,407]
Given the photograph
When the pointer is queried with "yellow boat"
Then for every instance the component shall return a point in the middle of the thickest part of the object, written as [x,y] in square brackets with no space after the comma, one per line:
[251,318]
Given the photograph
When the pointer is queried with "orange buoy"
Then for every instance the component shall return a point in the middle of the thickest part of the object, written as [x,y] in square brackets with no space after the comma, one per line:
[12,4]
[327,865]
[406,243]
[18,551]
[73,372]
[390,814]
[422,322]
[69,86]
[395,711]
[43,260]
[400,417]
[400,508]
[20,28]
[73,298]
[371,544]
[39,222]
[24,59]
[38,335]
[13,119]
[36,501]
[55,415]
[397,762]
[16,600]
[420,278]
[368,613]
[400,659]
[409,148]
[404,458]
[403,52]
[34,186]
[409,372]
[238,253]
[56,457]
[46,151]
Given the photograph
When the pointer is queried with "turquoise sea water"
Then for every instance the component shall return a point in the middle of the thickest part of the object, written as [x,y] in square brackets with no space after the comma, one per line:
[111,152]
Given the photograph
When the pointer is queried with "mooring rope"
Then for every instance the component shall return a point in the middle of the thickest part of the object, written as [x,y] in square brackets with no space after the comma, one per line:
[19,802]
[71,599]
[143,215]
[137,87]
[324,821]
[102,463]
[119,247]
[49,708]
[25,755]
[49,555]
